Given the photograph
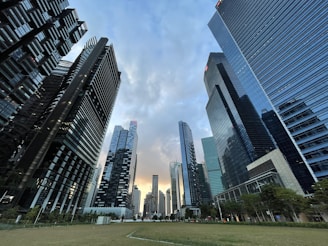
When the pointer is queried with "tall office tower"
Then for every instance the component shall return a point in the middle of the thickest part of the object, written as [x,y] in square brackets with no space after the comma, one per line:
[279,51]
[136,196]
[192,196]
[154,192]
[15,137]
[118,177]
[161,204]
[239,132]
[34,36]
[213,166]
[288,148]
[176,186]
[204,186]
[147,206]
[56,166]
[168,202]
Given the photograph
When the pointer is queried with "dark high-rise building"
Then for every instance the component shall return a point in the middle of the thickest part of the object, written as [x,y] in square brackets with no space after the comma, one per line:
[154,192]
[34,37]
[279,51]
[168,202]
[289,150]
[55,168]
[118,177]
[204,186]
[192,196]
[239,132]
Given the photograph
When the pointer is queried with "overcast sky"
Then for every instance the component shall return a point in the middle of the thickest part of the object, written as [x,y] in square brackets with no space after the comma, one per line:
[161,49]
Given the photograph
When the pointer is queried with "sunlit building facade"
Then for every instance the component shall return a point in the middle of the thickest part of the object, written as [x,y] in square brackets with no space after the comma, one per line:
[279,51]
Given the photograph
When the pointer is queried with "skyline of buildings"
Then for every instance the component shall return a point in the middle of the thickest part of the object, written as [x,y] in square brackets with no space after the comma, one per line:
[53,117]
[279,53]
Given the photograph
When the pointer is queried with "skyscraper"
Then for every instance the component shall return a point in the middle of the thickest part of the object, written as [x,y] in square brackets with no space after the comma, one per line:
[118,177]
[161,204]
[168,202]
[278,50]
[154,192]
[34,36]
[204,186]
[136,196]
[176,186]
[239,133]
[192,196]
[288,148]
[56,166]
[212,165]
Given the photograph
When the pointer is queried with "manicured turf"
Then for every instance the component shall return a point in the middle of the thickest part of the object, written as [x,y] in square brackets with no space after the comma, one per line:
[178,233]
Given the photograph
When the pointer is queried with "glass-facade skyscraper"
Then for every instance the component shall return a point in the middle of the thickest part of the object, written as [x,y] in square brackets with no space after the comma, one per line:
[176,186]
[279,51]
[213,166]
[57,165]
[239,133]
[192,196]
[118,177]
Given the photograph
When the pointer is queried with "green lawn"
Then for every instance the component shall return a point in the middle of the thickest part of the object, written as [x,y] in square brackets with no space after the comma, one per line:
[178,233]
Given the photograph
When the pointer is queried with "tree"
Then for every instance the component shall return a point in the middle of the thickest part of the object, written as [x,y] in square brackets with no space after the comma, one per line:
[232,209]
[208,210]
[321,191]
[10,213]
[282,201]
[54,216]
[32,213]
[188,213]
[291,201]
[320,199]
[270,201]
[252,205]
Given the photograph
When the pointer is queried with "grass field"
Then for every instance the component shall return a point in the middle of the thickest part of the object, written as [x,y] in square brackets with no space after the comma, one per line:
[164,233]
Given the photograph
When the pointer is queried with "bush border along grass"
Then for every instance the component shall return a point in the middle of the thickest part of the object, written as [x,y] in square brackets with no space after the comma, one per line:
[319,225]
